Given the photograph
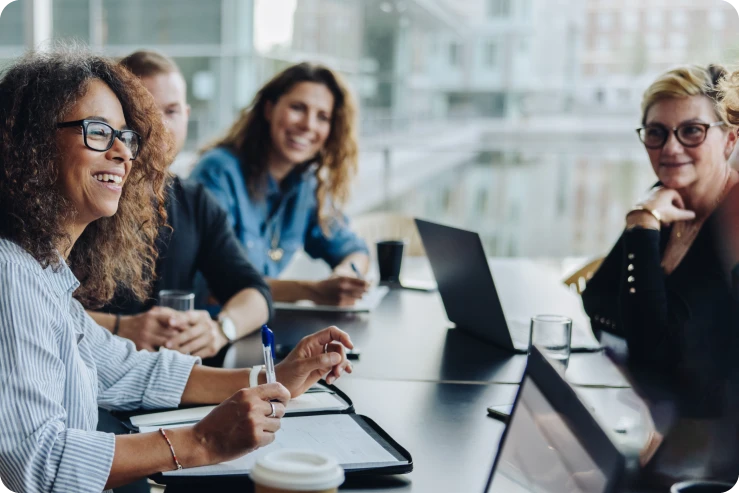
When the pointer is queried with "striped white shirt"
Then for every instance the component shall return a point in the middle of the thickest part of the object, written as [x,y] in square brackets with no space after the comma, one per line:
[56,366]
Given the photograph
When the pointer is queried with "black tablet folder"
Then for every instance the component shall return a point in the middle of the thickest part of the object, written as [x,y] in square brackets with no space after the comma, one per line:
[402,464]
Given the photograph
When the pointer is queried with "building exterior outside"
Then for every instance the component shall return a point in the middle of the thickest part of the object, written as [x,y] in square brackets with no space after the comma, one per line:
[627,43]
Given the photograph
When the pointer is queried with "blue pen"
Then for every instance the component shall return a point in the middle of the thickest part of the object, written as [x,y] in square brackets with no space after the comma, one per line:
[356,271]
[268,348]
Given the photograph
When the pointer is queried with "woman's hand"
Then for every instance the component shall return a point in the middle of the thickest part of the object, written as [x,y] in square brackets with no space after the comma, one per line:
[338,290]
[241,423]
[152,329]
[667,203]
[308,363]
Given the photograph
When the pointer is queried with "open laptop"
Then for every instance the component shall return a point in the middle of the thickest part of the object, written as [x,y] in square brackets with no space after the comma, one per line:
[552,444]
[466,286]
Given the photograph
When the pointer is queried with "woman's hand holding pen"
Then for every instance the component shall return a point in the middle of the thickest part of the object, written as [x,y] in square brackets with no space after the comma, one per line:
[314,356]
[241,423]
[338,290]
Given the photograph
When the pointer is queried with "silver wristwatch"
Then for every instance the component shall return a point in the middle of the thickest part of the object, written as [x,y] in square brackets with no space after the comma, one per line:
[227,327]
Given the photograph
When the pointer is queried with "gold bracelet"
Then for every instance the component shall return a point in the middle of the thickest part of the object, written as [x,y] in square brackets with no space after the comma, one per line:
[654,213]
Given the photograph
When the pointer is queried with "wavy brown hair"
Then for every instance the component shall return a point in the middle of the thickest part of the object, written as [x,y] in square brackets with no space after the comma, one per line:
[35,94]
[249,138]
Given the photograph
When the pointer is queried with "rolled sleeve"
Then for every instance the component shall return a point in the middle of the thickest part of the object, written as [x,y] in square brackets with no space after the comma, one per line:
[84,460]
[334,248]
[167,380]
[130,379]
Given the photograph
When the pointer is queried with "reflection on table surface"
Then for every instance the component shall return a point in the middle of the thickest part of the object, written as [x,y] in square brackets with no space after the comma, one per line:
[429,385]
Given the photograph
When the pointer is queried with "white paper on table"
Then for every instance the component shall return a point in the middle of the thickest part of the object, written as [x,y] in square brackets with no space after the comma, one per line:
[369,302]
[336,435]
[311,402]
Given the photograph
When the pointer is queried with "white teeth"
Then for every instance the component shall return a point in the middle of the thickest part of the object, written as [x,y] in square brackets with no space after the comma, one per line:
[300,140]
[105,177]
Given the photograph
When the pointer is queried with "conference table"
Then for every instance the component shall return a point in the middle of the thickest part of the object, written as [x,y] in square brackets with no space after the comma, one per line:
[429,385]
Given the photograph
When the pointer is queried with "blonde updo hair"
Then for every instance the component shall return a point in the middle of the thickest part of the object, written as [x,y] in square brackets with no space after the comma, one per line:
[729,107]
[686,81]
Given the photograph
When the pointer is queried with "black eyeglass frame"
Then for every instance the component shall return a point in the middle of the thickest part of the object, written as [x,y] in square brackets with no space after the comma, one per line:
[116,134]
[674,130]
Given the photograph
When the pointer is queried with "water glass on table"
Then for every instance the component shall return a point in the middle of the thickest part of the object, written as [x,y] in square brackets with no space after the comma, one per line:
[177,300]
[552,334]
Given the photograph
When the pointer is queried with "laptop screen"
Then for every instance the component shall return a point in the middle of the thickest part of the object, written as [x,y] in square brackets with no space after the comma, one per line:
[541,453]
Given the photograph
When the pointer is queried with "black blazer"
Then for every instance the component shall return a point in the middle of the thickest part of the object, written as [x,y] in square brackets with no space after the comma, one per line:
[682,325]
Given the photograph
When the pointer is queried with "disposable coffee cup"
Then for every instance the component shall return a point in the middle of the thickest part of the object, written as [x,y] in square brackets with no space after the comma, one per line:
[290,471]
[389,259]
[701,487]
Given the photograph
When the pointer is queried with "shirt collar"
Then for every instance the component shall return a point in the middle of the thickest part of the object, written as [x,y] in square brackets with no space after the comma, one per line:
[60,277]
[294,179]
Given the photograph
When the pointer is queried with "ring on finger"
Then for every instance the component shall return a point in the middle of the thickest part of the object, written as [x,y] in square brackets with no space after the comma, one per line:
[273,414]
[325,348]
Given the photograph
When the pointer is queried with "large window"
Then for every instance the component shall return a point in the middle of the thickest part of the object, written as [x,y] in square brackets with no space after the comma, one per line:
[137,22]
[479,113]
[499,8]
[11,26]
[72,19]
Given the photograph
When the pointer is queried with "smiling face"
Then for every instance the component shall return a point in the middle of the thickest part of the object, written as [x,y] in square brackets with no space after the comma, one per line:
[676,165]
[300,122]
[93,181]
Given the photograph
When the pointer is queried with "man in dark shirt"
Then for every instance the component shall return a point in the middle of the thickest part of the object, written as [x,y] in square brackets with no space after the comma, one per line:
[199,240]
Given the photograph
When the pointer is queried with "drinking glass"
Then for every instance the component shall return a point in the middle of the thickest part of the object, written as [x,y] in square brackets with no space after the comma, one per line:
[177,300]
[553,335]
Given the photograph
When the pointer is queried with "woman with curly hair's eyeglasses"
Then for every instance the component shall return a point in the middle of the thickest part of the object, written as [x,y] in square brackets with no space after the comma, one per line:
[83,158]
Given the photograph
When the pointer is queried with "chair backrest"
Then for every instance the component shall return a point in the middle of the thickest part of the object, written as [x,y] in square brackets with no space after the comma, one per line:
[578,281]
[377,226]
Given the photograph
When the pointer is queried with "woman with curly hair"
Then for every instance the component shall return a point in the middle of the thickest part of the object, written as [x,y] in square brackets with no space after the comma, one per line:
[83,156]
[282,171]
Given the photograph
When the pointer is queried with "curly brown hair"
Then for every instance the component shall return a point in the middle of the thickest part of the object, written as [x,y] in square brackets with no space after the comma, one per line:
[35,94]
[249,138]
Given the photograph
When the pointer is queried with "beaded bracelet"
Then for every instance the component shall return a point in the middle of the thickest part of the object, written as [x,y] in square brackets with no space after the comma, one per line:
[171,448]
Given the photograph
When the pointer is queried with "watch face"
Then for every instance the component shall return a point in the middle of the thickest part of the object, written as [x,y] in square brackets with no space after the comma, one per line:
[228,328]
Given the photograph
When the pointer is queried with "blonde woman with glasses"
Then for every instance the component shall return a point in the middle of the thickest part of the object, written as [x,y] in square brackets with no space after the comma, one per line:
[664,286]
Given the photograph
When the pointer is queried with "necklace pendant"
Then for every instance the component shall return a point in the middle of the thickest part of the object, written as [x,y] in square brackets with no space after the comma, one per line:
[276,254]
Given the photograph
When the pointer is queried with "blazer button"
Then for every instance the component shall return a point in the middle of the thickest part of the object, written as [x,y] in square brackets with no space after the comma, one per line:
[631,256]
[630,279]
[630,267]
[632,290]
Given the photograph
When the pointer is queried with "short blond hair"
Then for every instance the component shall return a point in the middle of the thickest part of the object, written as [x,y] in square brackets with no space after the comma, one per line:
[686,81]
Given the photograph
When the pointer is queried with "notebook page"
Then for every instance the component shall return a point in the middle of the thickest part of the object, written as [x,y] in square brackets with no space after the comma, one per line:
[337,435]
[312,402]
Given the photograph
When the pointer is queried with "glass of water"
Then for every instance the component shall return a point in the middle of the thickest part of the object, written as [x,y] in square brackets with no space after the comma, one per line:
[553,335]
[177,300]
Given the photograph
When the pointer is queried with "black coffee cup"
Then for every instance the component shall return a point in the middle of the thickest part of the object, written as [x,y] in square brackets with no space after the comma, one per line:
[389,258]
[701,487]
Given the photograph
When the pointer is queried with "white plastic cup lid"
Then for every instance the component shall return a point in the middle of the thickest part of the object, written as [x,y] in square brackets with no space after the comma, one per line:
[297,470]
